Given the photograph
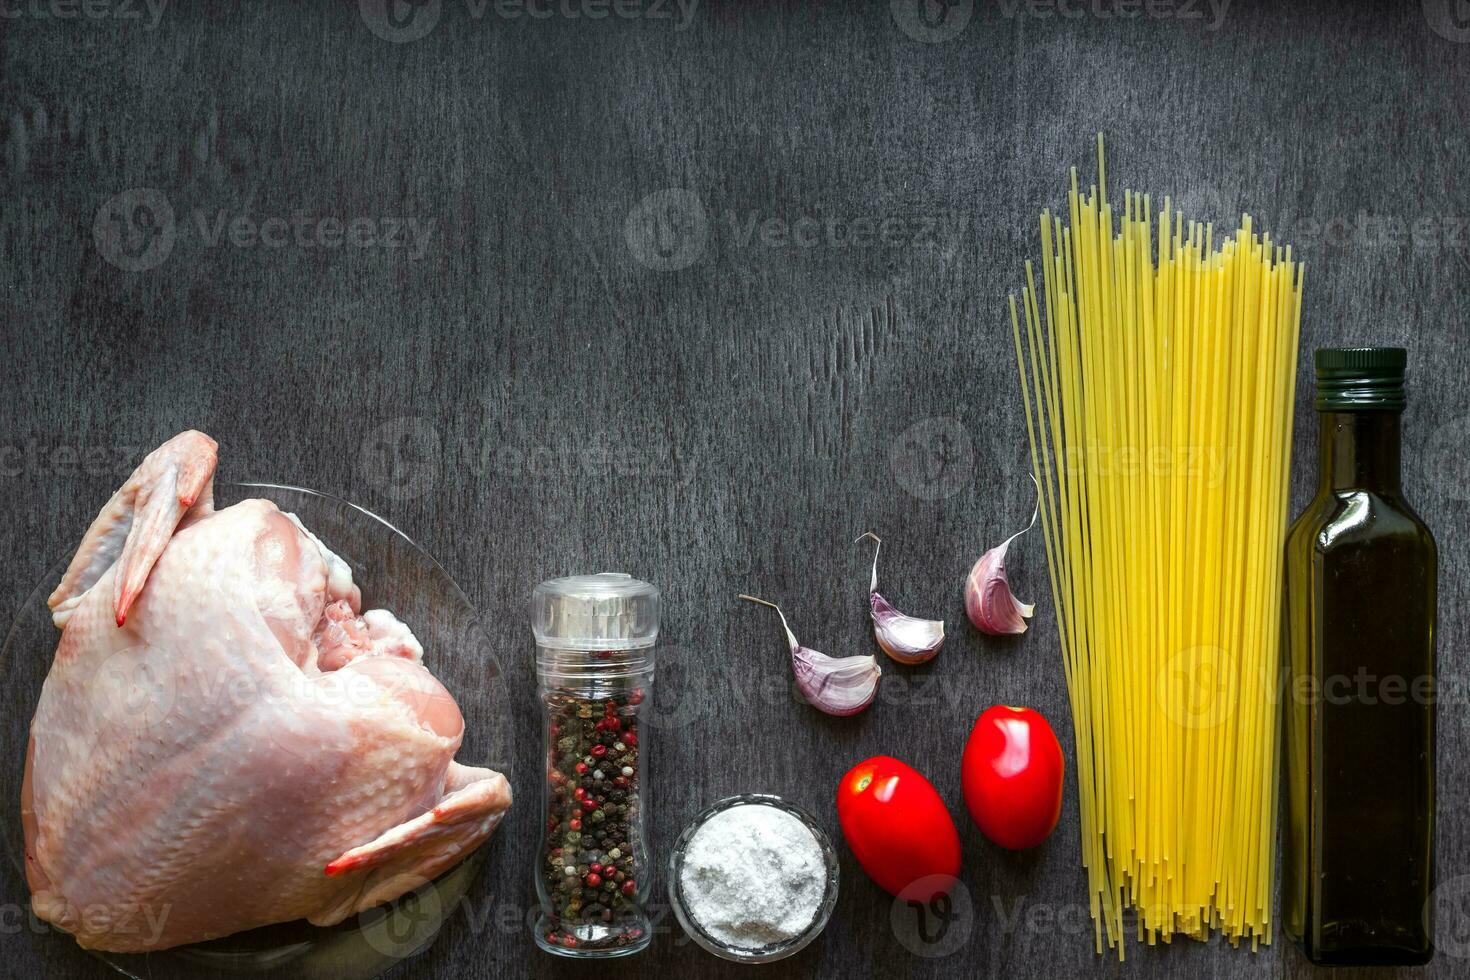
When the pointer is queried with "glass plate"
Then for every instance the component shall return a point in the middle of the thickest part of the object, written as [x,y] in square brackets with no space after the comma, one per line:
[394,573]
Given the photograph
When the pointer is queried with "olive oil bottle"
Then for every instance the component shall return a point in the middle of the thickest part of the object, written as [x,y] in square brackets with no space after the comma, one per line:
[1358,847]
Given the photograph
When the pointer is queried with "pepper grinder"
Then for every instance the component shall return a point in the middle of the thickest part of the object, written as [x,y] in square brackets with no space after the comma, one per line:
[595,637]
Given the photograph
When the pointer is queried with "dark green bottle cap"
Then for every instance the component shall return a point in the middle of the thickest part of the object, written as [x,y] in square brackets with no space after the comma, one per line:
[1360,379]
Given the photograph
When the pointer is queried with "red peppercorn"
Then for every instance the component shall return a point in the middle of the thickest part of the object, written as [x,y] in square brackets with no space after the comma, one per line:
[612,724]
[575,823]
[631,738]
[630,886]
[621,782]
[636,697]
[570,942]
[579,793]
[598,751]
[589,805]
[593,879]
[581,768]
[595,868]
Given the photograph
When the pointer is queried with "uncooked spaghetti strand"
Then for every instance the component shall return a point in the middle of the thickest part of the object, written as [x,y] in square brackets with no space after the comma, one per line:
[1143,344]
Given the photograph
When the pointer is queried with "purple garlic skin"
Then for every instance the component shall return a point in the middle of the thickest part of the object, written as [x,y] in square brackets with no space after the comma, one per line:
[989,601]
[907,639]
[839,686]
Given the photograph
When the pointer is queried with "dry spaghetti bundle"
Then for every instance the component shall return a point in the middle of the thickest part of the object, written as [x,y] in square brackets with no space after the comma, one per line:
[1157,367]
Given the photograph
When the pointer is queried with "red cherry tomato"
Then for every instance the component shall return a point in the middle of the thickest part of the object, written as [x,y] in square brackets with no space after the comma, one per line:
[898,828]
[1012,776]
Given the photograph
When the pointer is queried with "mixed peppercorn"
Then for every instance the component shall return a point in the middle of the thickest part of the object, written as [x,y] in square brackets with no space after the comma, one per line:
[593,866]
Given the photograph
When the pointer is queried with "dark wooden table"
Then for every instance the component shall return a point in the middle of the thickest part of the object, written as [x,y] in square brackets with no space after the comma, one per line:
[561,294]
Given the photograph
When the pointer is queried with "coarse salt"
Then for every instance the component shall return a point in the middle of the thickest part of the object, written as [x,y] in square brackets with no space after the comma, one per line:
[752,876]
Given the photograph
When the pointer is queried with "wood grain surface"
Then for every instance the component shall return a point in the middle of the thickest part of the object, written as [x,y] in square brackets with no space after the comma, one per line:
[699,293]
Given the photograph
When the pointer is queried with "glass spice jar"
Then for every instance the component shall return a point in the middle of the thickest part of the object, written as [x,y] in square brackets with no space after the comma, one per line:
[595,638]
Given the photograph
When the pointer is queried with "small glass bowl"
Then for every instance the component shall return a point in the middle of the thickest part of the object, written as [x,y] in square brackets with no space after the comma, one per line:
[775,951]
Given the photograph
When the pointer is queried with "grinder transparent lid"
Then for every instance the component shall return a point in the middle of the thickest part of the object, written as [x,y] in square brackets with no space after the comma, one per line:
[607,611]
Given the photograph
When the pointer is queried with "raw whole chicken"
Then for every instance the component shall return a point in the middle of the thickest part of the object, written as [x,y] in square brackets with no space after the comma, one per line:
[224,739]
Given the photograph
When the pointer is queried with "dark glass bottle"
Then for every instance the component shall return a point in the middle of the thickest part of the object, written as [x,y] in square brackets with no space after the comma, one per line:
[1358,847]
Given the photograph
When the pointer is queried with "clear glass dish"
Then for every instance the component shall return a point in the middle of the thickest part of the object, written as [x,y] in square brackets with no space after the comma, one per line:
[775,951]
[393,572]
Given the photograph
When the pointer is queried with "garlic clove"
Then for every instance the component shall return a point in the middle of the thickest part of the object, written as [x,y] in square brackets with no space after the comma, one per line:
[989,602]
[988,599]
[907,639]
[835,685]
